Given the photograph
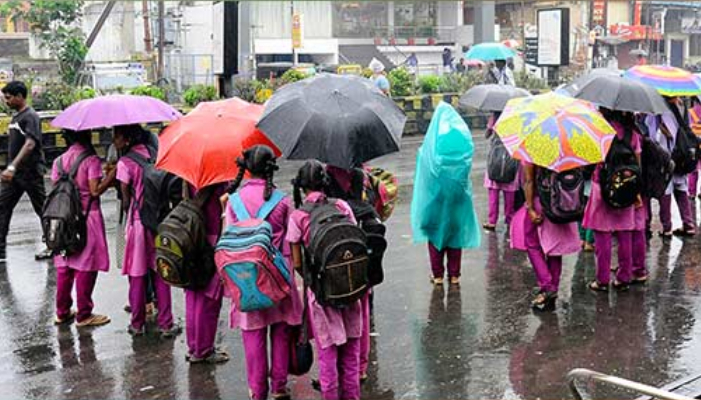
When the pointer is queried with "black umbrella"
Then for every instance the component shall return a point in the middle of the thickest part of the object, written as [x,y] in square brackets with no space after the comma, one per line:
[578,83]
[341,120]
[622,94]
[491,97]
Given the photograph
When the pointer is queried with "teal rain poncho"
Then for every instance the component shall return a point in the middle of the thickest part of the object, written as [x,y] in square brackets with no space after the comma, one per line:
[441,210]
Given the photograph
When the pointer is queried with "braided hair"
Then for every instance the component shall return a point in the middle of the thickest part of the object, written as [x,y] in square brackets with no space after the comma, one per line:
[82,137]
[260,162]
[312,176]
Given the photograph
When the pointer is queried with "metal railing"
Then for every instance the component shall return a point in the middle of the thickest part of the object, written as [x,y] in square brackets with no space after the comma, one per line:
[588,375]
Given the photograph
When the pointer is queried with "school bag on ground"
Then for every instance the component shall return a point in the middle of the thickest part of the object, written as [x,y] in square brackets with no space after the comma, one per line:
[253,269]
[184,258]
[561,195]
[620,178]
[657,169]
[63,220]
[501,167]
[337,256]
[162,191]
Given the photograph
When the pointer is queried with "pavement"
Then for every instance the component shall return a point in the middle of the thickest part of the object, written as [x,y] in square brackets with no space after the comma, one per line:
[476,340]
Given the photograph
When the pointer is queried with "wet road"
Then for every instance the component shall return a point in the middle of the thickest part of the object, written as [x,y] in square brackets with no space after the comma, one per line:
[479,340]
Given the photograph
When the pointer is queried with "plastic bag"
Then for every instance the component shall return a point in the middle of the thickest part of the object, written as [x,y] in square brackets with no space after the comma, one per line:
[442,211]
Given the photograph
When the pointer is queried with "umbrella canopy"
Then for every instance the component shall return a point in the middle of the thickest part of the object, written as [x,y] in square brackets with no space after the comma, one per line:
[474,63]
[511,43]
[202,147]
[491,97]
[618,93]
[578,83]
[342,120]
[489,52]
[554,131]
[113,110]
[669,81]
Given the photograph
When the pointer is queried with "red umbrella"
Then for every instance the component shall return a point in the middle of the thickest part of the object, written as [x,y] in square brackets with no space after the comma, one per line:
[202,147]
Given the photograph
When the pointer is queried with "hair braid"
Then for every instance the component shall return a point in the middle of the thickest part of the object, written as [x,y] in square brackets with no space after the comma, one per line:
[237,182]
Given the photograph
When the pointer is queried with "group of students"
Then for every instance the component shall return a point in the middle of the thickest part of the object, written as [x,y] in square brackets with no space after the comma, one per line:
[647,152]
[341,335]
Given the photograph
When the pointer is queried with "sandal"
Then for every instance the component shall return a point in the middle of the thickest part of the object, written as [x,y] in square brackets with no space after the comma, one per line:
[437,281]
[93,320]
[684,232]
[665,235]
[642,280]
[171,332]
[595,286]
[544,301]
[216,357]
[489,227]
[455,280]
[136,332]
[620,286]
[66,320]
[281,396]
[588,247]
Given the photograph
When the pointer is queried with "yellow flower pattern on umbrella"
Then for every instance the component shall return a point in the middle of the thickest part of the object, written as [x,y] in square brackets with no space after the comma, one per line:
[554,131]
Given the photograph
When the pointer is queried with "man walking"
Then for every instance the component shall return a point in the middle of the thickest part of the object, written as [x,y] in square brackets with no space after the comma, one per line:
[25,168]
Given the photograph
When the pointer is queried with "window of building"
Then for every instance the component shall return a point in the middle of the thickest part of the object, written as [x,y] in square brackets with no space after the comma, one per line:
[695,45]
[359,19]
[415,18]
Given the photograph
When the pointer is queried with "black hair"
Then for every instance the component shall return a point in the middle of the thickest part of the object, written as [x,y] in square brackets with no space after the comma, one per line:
[82,137]
[135,133]
[312,176]
[15,88]
[260,161]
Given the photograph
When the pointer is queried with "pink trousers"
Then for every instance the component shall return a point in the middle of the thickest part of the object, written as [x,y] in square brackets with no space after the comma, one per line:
[603,250]
[339,371]
[137,301]
[437,258]
[255,347]
[201,320]
[84,285]
[494,206]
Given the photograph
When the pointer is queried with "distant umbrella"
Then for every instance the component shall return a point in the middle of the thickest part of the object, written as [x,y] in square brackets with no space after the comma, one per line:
[491,97]
[489,52]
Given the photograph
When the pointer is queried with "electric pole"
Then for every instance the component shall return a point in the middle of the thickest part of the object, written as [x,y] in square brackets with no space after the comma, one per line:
[148,43]
[161,39]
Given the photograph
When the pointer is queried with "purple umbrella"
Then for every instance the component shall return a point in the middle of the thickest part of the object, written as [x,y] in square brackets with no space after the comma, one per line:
[107,111]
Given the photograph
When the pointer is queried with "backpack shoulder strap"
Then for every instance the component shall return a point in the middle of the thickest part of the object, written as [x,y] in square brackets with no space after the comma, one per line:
[59,165]
[137,158]
[270,205]
[76,164]
[239,208]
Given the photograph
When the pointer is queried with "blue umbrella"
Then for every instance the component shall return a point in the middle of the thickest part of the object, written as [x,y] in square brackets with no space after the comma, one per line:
[489,52]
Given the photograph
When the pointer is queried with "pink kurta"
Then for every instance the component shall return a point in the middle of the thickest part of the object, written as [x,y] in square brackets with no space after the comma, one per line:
[94,256]
[555,239]
[598,215]
[290,309]
[139,246]
[331,326]
[212,215]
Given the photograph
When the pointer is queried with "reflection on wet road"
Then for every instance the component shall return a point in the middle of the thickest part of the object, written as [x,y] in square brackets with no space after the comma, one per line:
[478,340]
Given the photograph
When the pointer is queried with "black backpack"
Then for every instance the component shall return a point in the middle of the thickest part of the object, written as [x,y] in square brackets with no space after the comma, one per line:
[337,256]
[501,167]
[620,178]
[184,258]
[685,153]
[561,194]
[657,169]
[162,191]
[63,220]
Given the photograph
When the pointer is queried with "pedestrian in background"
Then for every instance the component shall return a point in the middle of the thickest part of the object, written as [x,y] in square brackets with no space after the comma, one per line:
[442,211]
[379,77]
[275,322]
[82,267]
[26,165]
[337,331]
[139,248]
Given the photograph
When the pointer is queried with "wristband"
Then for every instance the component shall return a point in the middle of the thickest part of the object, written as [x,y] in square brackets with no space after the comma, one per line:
[12,168]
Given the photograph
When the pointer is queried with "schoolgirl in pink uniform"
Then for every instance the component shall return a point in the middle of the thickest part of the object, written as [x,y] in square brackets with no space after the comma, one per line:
[337,332]
[139,247]
[257,326]
[82,268]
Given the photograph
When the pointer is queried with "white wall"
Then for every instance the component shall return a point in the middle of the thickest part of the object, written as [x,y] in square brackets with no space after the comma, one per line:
[116,40]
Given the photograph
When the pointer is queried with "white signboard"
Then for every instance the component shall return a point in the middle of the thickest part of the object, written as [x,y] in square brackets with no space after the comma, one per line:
[550,37]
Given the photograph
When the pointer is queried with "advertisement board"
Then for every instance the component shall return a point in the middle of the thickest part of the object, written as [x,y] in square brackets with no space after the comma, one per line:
[553,37]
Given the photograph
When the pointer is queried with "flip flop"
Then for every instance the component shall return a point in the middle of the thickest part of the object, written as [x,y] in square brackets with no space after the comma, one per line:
[217,357]
[621,286]
[597,287]
[489,227]
[94,320]
[67,320]
[640,280]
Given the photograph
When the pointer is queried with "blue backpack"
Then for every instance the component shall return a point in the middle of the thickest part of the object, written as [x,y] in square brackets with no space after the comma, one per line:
[252,268]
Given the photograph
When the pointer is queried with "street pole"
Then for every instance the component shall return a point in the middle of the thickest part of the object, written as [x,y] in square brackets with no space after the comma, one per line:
[295,56]
[161,39]
[148,45]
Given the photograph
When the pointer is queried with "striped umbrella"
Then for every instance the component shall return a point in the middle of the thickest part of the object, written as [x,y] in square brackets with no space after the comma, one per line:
[668,81]
[554,131]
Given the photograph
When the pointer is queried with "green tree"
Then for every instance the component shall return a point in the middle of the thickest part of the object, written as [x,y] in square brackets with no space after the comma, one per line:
[55,24]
